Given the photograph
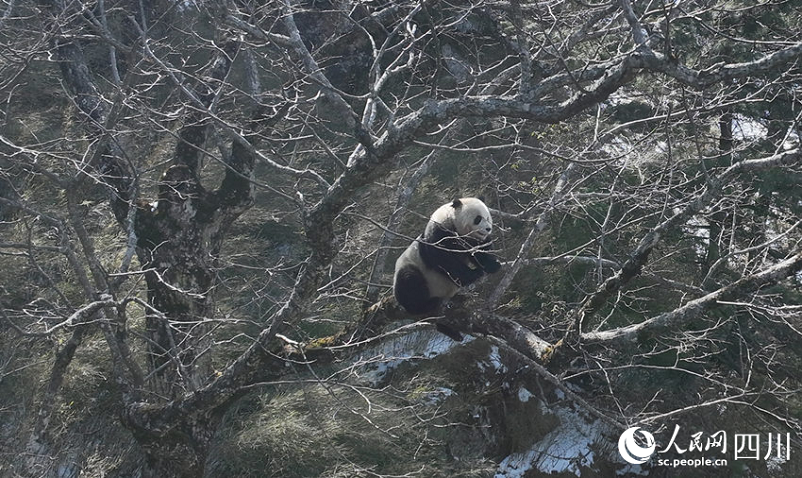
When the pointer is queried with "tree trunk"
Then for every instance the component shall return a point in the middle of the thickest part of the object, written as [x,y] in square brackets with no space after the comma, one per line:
[178,239]
[719,220]
[180,453]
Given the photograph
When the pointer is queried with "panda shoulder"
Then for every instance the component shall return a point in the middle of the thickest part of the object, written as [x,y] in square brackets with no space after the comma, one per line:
[443,214]
[441,219]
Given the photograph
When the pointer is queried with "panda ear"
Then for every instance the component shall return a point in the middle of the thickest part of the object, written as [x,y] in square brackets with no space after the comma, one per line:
[456,204]
[481,198]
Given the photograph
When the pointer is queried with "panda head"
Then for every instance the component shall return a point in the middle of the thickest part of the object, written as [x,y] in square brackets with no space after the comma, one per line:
[471,218]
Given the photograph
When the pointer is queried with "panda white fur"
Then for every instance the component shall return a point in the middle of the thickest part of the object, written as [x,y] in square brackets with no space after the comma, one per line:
[452,253]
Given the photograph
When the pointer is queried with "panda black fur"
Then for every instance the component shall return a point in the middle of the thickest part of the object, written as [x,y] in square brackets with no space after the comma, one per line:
[452,253]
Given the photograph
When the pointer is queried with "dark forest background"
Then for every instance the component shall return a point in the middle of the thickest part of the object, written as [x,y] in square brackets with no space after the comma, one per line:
[201,203]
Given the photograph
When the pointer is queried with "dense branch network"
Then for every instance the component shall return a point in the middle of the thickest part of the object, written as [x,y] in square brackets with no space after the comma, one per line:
[251,99]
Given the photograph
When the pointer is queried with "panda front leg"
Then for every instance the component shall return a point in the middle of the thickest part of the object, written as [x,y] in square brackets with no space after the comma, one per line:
[461,268]
[412,293]
[487,261]
[453,256]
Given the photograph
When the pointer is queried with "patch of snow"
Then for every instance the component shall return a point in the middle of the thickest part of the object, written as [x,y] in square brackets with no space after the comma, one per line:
[792,142]
[744,128]
[774,465]
[495,361]
[436,396]
[516,465]
[566,449]
[524,395]
[618,146]
[418,345]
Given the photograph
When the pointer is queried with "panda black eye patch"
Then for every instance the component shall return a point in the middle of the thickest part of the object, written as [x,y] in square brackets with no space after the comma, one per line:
[477,220]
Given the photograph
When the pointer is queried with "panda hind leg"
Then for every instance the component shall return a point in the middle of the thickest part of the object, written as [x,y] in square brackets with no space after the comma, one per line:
[412,292]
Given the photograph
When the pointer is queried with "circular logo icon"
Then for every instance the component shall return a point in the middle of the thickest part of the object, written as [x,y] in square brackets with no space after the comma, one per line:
[631,450]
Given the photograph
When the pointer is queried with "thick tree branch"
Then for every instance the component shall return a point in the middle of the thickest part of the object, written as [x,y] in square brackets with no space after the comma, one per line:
[192,135]
[675,319]
[632,267]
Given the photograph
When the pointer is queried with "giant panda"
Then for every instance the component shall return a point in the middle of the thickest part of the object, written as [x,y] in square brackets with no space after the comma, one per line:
[451,253]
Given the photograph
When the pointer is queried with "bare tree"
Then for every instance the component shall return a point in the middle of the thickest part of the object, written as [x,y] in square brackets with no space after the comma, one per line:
[603,137]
